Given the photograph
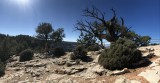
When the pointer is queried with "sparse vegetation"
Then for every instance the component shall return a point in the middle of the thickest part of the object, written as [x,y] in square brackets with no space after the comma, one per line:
[44,30]
[5,50]
[26,55]
[86,39]
[121,54]
[58,51]
[124,41]
[2,68]
[57,35]
[94,47]
[79,53]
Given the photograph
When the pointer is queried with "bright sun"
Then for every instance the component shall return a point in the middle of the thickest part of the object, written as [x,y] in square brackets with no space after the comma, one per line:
[21,2]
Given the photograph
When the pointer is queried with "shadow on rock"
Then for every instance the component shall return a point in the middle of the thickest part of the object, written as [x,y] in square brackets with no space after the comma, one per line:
[87,59]
[142,63]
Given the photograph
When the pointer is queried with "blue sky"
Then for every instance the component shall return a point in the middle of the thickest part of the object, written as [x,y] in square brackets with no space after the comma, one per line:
[18,17]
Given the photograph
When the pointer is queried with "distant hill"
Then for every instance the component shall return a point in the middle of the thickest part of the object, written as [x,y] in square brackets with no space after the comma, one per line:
[67,45]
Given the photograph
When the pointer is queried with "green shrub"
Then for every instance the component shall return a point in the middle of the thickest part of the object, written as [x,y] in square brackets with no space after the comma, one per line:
[79,53]
[121,54]
[4,50]
[58,51]
[2,69]
[94,47]
[4,55]
[26,55]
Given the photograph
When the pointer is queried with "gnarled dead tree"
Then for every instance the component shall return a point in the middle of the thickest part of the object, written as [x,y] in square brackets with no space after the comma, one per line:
[101,28]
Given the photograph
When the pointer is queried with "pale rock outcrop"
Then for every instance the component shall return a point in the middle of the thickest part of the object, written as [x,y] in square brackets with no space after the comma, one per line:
[122,79]
[120,72]
[153,76]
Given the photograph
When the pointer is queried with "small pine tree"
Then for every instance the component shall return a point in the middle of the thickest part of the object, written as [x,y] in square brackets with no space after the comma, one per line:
[79,53]
[4,50]
[2,68]
[94,47]
[120,55]
[26,55]
[58,51]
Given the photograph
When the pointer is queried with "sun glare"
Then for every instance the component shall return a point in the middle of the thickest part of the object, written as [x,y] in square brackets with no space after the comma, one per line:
[20,2]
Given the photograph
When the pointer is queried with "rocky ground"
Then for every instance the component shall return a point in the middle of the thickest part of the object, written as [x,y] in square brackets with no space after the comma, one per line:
[64,70]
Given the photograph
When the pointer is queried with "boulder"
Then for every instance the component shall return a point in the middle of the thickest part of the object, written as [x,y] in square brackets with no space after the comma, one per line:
[74,70]
[88,74]
[99,70]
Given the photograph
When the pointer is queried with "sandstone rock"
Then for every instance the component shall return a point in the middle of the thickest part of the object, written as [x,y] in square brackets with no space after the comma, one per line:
[74,70]
[122,79]
[94,71]
[157,68]
[35,64]
[150,49]
[39,65]
[16,64]
[51,81]
[97,52]
[54,77]
[27,70]
[89,53]
[71,63]
[96,60]
[80,68]
[14,81]
[66,81]
[154,64]
[135,81]
[8,77]
[120,72]
[47,70]
[88,74]
[99,70]
[70,71]
[153,76]
[14,58]
[59,71]
[23,82]
[17,68]
[35,74]
[59,62]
